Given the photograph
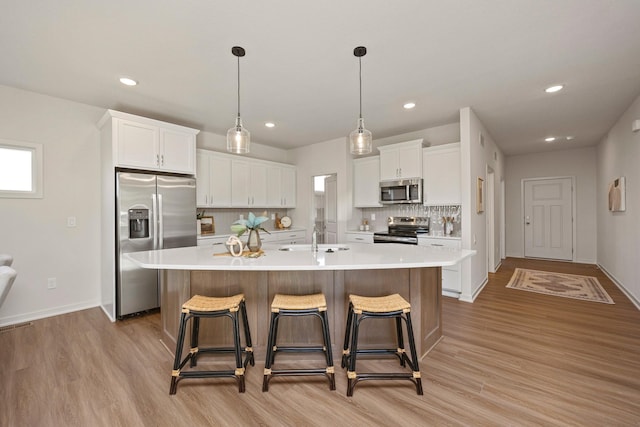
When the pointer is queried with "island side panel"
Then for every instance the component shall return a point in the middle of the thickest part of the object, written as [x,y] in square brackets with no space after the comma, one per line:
[426,307]
[175,290]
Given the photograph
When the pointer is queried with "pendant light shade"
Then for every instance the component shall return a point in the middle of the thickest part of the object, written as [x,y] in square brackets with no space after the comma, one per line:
[361,140]
[238,137]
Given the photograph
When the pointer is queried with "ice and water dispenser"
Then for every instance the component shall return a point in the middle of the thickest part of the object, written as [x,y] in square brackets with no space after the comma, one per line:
[138,223]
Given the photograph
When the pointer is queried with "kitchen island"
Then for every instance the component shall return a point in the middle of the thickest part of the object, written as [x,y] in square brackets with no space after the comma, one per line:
[336,270]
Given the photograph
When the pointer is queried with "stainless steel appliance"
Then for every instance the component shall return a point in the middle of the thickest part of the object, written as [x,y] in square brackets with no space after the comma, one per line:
[403,229]
[153,212]
[401,191]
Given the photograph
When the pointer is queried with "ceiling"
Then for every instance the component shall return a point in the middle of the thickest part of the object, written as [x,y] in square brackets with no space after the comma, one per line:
[496,56]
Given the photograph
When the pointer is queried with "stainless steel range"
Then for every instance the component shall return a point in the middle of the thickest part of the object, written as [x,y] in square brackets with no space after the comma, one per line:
[403,229]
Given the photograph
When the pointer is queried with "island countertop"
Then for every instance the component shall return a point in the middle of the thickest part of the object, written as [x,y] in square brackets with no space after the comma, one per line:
[357,256]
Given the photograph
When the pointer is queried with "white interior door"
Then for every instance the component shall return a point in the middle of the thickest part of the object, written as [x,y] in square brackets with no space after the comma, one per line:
[548,213]
[331,209]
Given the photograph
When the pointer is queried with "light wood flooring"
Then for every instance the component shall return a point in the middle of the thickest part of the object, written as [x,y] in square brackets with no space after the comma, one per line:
[511,358]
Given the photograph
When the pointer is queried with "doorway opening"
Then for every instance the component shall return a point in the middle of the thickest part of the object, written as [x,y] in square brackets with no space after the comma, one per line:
[325,207]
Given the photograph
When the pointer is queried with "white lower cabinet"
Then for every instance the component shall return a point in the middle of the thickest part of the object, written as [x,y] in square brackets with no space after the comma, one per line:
[284,237]
[216,242]
[359,237]
[451,277]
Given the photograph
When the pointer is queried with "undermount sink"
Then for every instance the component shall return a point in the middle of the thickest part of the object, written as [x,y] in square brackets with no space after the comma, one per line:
[321,248]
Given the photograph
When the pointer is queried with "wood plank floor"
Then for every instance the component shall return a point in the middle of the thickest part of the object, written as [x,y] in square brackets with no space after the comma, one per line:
[510,358]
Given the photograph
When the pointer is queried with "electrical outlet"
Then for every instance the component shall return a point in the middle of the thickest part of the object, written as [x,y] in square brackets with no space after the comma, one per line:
[71,221]
[241,216]
[51,283]
[373,217]
[273,216]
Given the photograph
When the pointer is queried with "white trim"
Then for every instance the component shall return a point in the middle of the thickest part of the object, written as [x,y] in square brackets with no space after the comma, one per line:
[472,297]
[620,286]
[50,312]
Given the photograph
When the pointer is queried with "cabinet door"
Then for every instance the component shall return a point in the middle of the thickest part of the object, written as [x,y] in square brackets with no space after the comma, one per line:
[258,188]
[202,179]
[220,183]
[138,145]
[441,173]
[240,184]
[288,187]
[274,186]
[177,151]
[389,160]
[410,162]
[402,160]
[366,179]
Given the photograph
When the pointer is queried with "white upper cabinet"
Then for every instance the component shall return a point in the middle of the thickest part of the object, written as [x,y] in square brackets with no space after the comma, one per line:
[142,143]
[213,181]
[281,189]
[366,182]
[441,173]
[248,184]
[403,160]
[231,181]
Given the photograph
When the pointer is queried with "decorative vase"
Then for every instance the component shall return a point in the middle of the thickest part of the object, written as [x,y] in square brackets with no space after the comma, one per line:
[253,242]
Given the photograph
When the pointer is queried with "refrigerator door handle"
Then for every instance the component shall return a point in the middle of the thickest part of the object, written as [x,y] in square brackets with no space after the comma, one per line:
[154,220]
[160,223]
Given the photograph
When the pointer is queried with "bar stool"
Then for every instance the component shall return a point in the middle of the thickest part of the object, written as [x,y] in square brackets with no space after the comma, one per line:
[298,305]
[391,307]
[208,307]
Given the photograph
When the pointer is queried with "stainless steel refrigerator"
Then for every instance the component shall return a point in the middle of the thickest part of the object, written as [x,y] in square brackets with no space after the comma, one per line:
[153,212]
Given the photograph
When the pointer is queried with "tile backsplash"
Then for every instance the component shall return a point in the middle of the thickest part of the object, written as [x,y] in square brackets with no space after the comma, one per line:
[223,218]
[381,214]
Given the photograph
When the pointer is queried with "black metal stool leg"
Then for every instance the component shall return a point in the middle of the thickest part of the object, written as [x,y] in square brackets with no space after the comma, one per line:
[328,350]
[269,357]
[195,332]
[178,356]
[247,336]
[414,356]
[352,378]
[401,352]
[238,352]
[347,335]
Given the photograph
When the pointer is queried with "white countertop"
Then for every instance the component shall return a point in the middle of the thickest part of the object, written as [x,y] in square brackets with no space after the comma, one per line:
[229,233]
[360,256]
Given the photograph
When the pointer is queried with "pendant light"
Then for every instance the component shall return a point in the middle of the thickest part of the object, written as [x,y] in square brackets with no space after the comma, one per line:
[361,139]
[238,138]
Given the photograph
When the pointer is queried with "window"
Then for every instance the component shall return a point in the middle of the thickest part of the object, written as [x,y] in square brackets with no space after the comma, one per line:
[20,169]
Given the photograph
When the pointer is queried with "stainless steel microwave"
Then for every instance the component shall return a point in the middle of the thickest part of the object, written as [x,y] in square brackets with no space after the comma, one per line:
[401,191]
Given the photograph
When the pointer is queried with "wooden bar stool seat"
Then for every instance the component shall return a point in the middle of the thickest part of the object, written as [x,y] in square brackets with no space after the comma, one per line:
[298,305]
[391,307]
[209,307]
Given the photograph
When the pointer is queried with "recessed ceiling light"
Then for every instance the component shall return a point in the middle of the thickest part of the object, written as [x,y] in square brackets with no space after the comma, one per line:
[550,139]
[270,124]
[409,105]
[553,89]
[128,81]
[569,138]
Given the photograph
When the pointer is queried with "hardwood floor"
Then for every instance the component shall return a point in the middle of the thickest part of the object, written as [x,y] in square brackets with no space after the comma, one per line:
[510,358]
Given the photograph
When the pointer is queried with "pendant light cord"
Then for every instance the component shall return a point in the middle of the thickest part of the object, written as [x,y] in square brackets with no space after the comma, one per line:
[360,64]
[238,86]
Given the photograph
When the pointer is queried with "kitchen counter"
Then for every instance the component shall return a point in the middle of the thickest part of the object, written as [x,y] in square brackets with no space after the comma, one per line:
[414,272]
[357,257]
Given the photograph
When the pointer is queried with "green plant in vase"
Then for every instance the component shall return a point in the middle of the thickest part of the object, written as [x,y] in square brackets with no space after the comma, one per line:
[252,224]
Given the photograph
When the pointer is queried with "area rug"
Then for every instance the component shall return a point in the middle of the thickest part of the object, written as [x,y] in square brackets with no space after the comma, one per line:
[586,288]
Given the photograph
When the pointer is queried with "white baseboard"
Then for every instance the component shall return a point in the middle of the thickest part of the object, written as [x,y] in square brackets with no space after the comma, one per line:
[472,297]
[620,286]
[55,311]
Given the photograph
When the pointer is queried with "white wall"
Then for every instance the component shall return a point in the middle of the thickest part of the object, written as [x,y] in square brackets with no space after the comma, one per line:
[322,159]
[619,232]
[579,163]
[35,231]
[475,159]
[215,142]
